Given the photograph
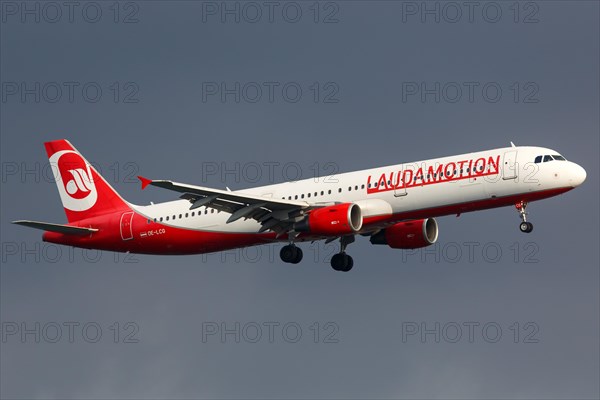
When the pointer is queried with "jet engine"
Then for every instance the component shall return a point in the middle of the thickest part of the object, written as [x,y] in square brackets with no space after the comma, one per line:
[337,220]
[408,235]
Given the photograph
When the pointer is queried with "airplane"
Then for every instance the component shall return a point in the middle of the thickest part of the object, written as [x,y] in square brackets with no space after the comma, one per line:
[393,205]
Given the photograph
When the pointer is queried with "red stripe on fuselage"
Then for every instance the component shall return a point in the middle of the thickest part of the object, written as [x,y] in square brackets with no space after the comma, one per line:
[157,238]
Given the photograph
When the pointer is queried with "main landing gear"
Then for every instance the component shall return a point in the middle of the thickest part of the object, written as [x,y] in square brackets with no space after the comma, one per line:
[291,254]
[342,261]
[524,226]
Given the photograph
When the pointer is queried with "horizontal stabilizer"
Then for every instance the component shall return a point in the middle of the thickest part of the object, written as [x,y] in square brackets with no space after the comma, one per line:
[66,229]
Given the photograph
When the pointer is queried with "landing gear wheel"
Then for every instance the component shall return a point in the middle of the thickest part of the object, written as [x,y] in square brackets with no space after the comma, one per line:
[526,227]
[349,263]
[291,254]
[298,257]
[342,262]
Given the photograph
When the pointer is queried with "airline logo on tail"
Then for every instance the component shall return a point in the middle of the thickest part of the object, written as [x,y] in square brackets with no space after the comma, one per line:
[75,182]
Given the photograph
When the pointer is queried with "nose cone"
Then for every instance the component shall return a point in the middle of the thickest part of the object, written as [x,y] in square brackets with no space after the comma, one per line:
[577,175]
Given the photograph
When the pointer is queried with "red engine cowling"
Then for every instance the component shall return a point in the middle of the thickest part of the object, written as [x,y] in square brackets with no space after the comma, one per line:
[408,235]
[338,220]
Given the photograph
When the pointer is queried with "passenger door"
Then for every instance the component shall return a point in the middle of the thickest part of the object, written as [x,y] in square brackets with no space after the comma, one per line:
[127,226]
[509,165]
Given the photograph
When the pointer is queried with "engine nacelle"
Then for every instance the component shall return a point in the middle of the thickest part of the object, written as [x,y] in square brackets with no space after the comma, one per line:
[408,235]
[337,220]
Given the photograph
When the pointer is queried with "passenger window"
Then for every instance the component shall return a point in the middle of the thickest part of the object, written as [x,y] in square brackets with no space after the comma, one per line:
[329,191]
[161,218]
[308,195]
[362,186]
[547,158]
[322,192]
[167,217]
[316,194]
[339,190]
[349,188]
[186,215]
[296,197]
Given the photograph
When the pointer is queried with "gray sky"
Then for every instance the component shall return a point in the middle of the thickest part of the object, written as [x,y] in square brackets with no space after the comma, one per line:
[162,113]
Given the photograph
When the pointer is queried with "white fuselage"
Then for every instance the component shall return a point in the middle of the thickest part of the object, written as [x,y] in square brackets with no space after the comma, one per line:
[425,185]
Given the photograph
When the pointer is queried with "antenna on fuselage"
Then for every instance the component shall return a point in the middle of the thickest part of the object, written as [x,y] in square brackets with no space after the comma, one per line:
[512,144]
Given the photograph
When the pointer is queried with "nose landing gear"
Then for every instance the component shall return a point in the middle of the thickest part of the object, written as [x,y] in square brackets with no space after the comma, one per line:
[524,226]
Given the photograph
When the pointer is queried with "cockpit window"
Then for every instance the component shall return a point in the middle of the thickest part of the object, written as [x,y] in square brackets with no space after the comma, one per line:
[547,158]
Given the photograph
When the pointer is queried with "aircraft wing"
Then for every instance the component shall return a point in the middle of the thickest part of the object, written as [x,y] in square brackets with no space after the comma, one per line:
[277,215]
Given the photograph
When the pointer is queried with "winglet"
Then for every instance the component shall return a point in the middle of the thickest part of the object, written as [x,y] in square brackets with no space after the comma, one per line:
[145,181]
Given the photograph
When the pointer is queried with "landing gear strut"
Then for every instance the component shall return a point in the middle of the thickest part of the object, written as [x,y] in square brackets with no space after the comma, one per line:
[524,226]
[342,261]
[291,254]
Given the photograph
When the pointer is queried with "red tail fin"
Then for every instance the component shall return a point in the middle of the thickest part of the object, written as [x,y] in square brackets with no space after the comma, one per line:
[84,193]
